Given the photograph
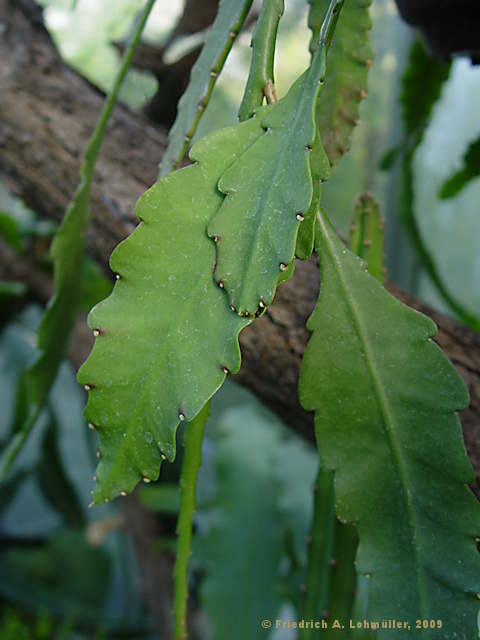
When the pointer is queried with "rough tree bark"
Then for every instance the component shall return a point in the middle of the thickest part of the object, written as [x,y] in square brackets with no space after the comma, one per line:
[46,115]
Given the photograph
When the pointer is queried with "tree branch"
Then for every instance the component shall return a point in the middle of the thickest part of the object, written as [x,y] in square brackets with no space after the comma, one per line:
[46,115]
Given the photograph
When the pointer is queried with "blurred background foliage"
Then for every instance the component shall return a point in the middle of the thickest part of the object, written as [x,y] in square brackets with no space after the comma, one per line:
[67,571]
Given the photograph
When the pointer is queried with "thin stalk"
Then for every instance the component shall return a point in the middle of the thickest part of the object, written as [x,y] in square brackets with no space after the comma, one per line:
[16,443]
[343,580]
[330,23]
[96,139]
[192,460]
[367,235]
[320,552]
[260,81]
[173,158]
[42,373]
[331,576]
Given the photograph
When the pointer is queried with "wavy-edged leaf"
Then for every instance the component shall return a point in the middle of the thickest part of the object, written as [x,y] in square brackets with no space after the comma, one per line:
[166,335]
[268,190]
[367,233]
[385,401]
[349,60]
[320,167]
[331,574]
[469,171]
[230,18]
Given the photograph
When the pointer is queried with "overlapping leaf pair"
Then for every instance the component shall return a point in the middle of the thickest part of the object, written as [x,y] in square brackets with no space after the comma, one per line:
[168,334]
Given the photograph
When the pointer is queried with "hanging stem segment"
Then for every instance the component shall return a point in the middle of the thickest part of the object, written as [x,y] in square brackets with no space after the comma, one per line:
[320,552]
[194,101]
[260,81]
[192,461]
[331,573]
[68,252]
[97,137]
[329,25]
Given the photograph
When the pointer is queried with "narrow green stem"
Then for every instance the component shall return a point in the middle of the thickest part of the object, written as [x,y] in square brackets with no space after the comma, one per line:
[35,405]
[93,147]
[16,443]
[192,460]
[330,23]
[318,67]
[261,75]
[320,552]
[331,575]
[343,580]
[367,235]
[202,105]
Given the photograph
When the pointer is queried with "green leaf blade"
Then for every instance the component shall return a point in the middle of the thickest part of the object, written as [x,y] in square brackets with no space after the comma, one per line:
[349,60]
[267,191]
[385,401]
[320,167]
[367,233]
[68,255]
[167,336]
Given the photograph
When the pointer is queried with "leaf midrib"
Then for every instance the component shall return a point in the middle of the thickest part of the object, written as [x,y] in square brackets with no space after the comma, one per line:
[280,160]
[388,420]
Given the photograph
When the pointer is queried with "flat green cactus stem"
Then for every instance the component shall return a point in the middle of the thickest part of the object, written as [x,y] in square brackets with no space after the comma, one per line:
[367,233]
[386,402]
[320,167]
[166,337]
[191,107]
[349,61]
[68,256]
[269,190]
[192,461]
[263,55]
